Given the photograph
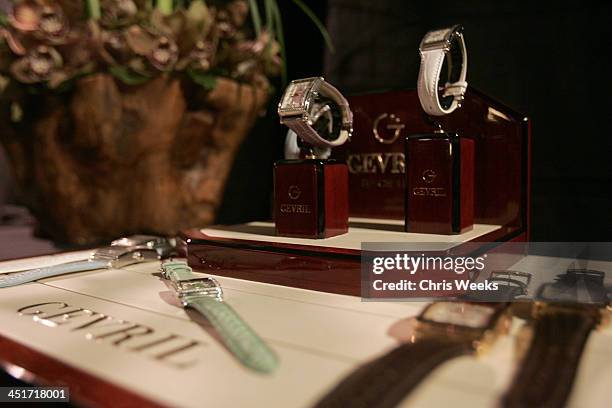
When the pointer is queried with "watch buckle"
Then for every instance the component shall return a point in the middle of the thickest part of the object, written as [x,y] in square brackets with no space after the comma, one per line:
[197,287]
[135,249]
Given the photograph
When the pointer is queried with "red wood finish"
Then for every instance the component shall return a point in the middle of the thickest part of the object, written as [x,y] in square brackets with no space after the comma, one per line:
[336,199]
[85,389]
[310,198]
[501,138]
[466,179]
[325,269]
[440,184]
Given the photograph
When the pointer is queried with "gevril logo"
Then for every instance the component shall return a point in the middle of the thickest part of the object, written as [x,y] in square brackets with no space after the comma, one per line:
[295,208]
[429,191]
[169,349]
[376,163]
[386,129]
[295,192]
[429,176]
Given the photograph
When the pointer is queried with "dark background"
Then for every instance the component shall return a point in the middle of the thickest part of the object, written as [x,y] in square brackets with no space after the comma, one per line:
[550,62]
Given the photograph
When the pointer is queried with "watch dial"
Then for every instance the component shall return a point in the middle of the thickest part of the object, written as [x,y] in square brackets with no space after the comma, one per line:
[459,314]
[436,36]
[295,95]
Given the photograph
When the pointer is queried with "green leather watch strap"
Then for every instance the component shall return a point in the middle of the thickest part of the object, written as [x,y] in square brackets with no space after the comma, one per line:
[204,294]
[246,345]
[177,270]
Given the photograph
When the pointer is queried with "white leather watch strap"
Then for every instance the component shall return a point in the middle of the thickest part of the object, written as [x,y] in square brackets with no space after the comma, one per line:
[310,136]
[293,151]
[428,86]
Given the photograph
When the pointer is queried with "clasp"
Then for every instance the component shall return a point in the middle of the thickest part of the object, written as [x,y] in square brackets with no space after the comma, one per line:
[196,287]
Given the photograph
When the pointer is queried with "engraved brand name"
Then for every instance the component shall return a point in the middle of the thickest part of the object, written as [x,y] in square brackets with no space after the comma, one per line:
[169,349]
[295,208]
[376,163]
[429,191]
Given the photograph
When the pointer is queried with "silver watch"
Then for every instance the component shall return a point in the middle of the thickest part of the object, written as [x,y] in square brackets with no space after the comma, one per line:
[296,111]
[441,96]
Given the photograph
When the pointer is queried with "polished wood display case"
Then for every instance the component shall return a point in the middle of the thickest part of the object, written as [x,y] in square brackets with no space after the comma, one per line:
[376,162]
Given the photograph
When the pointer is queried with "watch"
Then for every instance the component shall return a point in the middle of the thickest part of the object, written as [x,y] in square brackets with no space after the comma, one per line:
[298,106]
[323,122]
[205,295]
[445,330]
[120,253]
[436,48]
[561,322]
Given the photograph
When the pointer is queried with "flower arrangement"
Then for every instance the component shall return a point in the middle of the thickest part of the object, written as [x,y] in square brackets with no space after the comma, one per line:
[125,116]
[49,44]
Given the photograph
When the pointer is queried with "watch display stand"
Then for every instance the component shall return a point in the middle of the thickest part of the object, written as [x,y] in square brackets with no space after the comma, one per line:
[310,198]
[375,156]
[376,190]
[439,183]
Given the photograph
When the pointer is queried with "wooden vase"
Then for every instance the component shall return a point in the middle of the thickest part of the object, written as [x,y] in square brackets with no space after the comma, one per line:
[108,160]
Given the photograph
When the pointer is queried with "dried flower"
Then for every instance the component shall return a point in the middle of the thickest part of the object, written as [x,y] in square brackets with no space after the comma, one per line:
[25,16]
[38,65]
[49,41]
[52,24]
[118,12]
[164,54]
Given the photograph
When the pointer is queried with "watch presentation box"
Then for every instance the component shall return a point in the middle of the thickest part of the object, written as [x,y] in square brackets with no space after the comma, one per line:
[310,198]
[439,183]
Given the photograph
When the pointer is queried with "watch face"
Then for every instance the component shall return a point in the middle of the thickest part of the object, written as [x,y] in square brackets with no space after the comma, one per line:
[296,96]
[439,39]
[469,315]
[436,36]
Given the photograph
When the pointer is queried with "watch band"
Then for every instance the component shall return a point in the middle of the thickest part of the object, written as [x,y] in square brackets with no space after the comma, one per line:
[437,46]
[246,345]
[122,252]
[205,296]
[548,370]
[19,278]
[386,381]
[294,151]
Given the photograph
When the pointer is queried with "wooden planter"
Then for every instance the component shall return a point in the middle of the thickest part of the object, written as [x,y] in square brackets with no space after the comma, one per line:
[110,160]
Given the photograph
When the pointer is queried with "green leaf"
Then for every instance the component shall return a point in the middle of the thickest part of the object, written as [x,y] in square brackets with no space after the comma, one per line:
[269,4]
[255,16]
[313,17]
[127,76]
[278,23]
[165,6]
[205,80]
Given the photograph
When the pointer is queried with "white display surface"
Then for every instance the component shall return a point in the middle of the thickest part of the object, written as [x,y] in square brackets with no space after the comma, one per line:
[319,337]
[360,230]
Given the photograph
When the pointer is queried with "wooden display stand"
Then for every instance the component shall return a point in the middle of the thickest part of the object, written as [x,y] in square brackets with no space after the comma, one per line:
[382,122]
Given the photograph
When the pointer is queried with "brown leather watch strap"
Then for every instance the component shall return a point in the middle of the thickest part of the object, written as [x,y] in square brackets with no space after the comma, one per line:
[548,370]
[387,380]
